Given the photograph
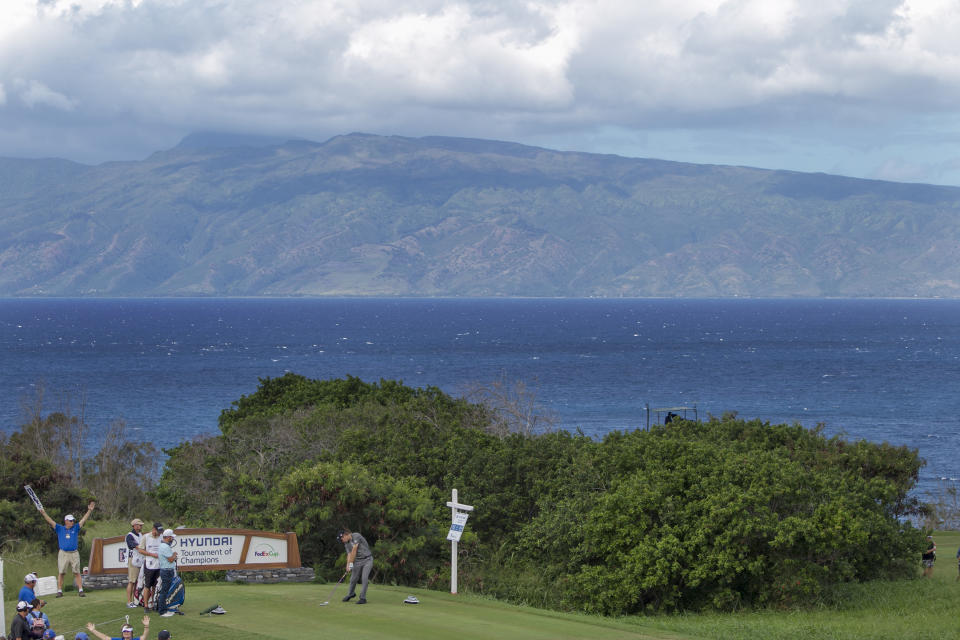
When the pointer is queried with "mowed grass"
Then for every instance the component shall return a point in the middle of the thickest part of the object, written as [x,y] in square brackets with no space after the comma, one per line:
[293,611]
[923,609]
[919,609]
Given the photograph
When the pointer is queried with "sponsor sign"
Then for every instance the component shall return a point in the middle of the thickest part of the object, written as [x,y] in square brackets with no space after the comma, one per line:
[208,549]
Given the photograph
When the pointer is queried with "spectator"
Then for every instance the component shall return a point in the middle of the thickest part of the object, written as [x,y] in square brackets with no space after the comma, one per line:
[126,631]
[27,590]
[36,613]
[68,537]
[19,629]
[929,557]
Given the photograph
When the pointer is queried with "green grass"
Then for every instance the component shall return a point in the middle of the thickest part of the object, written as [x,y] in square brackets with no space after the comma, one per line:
[260,612]
[907,609]
[923,609]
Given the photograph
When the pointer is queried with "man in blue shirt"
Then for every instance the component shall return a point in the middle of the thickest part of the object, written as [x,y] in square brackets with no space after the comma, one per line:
[26,591]
[68,536]
[168,568]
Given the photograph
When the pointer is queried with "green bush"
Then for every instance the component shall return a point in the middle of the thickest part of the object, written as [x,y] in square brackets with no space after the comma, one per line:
[398,517]
[725,514]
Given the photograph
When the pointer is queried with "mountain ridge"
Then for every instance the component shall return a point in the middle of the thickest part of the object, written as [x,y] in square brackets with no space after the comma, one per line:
[361,214]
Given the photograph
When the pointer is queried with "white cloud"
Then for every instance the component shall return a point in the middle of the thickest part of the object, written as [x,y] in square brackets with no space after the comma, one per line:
[550,71]
[34,94]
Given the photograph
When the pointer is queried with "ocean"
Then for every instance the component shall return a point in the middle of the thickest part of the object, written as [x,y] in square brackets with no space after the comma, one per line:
[882,370]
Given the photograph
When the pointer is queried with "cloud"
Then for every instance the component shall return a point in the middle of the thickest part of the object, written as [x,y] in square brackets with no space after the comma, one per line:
[34,94]
[544,70]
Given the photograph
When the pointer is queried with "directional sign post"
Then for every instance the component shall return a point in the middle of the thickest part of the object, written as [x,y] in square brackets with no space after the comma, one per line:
[459,513]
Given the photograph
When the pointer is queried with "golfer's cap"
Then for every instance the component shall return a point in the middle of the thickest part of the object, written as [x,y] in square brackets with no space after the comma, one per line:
[168,533]
[340,534]
[23,605]
[163,635]
[158,526]
[49,634]
[30,577]
[135,522]
[81,635]
[69,517]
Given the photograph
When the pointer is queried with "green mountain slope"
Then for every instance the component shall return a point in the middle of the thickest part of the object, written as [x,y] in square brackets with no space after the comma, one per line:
[372,215]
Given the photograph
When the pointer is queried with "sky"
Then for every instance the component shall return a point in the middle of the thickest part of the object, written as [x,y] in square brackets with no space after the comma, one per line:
[864,88]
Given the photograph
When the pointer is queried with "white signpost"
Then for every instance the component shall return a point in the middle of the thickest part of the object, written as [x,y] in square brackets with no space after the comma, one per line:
[459,513]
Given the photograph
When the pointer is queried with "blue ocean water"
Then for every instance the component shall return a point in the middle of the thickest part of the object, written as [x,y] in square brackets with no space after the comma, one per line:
[884,370]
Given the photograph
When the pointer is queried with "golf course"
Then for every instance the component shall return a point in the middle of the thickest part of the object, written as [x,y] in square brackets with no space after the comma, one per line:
[880,610]
[288,611]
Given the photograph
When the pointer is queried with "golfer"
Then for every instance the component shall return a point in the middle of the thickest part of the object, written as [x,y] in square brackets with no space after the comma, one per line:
[68,537]
[359,563]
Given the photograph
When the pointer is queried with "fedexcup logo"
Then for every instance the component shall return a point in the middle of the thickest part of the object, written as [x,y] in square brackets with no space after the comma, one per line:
[264,550]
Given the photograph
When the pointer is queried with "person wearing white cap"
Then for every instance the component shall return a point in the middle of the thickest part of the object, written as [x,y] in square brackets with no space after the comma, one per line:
[168,569]
[134,559]
[126,631]
[26,591]
[19,628]
[68,536]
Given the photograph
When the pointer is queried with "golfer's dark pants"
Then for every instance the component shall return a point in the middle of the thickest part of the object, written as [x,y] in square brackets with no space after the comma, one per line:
[361,570]
[166,579]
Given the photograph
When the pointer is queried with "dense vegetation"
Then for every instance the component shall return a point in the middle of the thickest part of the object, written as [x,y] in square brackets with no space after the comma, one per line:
[49,452]
[713,515]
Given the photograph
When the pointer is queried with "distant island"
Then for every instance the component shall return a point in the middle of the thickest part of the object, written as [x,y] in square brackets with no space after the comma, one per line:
[365,215]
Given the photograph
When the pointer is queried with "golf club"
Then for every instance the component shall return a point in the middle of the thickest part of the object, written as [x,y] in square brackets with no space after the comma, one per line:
[327,601]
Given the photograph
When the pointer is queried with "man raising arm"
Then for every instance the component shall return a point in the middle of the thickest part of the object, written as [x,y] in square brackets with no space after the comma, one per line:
[68,538]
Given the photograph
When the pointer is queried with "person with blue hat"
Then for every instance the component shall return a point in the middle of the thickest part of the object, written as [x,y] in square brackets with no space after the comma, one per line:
[81,635]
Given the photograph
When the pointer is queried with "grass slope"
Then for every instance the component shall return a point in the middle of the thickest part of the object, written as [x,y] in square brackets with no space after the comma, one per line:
[924,609]
[262,612]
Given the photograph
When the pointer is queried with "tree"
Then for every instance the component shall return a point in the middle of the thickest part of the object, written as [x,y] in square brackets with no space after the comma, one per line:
[728,513]
[398,516]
